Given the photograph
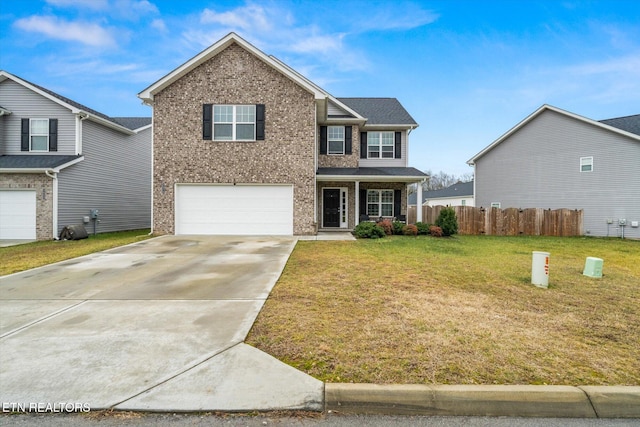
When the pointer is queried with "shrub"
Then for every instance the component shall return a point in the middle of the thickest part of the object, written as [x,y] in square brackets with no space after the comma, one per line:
[410,230]
[447,221]
[435,231]
[423,228]
[387,226]
[368,230]
[397,227]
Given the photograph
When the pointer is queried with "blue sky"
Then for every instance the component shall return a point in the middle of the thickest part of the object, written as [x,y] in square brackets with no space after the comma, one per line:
[467,71]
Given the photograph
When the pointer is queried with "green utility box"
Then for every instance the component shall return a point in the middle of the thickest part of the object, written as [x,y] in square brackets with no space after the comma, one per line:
[593,267]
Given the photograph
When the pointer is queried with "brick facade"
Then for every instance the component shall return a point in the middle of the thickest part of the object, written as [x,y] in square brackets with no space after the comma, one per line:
[286,156]
[43,187]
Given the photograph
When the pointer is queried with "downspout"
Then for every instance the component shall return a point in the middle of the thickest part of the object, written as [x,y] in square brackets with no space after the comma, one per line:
[82,116]
[54,176]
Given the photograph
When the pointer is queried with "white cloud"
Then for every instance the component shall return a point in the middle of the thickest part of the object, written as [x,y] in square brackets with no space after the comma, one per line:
[250,17]
[318,44]
[159,25]
[396,16]
[87,33]
[81,4]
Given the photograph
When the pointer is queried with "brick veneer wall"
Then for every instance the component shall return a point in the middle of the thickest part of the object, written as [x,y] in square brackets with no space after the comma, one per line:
[43,186]
[234,76]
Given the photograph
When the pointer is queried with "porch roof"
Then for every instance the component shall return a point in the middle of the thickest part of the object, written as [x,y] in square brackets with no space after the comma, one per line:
[27,163]
[381,174]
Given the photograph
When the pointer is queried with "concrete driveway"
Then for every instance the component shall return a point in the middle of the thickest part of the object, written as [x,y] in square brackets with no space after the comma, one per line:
[158,325]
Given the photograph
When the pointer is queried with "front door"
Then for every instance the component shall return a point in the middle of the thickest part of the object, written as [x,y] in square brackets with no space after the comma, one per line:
[331,207]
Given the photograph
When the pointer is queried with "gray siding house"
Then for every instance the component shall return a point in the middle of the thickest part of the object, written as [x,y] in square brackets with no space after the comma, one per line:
[556,159]
[60,159]
[243,144]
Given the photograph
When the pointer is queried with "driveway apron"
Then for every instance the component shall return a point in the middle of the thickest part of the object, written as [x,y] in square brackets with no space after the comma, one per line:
[158,325]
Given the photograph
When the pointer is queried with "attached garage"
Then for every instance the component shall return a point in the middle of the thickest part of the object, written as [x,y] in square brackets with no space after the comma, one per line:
[17,215]
[234,209]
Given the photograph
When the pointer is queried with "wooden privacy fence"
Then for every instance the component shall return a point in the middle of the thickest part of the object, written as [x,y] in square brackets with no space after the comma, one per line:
[508,222]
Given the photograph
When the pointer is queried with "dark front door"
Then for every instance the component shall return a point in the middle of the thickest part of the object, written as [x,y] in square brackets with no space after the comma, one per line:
[331,203]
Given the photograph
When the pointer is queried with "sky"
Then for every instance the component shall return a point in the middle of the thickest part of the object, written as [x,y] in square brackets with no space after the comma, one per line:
[467,71]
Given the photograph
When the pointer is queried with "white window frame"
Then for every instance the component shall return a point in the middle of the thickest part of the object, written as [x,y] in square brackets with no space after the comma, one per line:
[495,205]
[379,203]
[586,161]
[32,134]
[378,145]
[335,138]
[235,122]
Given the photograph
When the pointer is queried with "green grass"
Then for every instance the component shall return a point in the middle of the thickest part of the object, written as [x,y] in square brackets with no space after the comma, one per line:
[30,255]
[456,311]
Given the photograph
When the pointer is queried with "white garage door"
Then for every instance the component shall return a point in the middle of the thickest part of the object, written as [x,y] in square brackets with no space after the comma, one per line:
[234,209]
[17,214]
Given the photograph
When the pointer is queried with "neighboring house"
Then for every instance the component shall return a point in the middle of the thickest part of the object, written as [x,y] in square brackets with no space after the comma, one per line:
[60,159]
[458,194]
[243,144]
[556,159]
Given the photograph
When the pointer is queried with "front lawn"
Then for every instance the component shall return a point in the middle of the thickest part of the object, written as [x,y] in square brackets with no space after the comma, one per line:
[30,255]
[456,311]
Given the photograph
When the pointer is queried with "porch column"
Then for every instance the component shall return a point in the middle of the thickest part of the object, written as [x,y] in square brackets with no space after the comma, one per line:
[419,203]
[357,207]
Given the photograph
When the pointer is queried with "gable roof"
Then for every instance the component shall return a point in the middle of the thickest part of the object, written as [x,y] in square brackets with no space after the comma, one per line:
[627,123]
[607,126]
[147,94]
[380,111]
[459,189]
[74,107]
[133,123]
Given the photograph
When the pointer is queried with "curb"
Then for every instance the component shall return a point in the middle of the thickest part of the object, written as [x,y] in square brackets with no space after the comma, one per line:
[478,400]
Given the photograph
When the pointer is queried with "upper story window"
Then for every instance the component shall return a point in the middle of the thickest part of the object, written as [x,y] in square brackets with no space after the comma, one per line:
[39,135]
[586,164]
[335,139]
[233,122]
[380,145]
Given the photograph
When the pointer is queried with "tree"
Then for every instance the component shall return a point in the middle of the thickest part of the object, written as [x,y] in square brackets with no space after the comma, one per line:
[440,180]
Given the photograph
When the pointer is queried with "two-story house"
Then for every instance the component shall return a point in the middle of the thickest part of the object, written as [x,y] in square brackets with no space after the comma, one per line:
[59,160]
[557,159]
[244,144]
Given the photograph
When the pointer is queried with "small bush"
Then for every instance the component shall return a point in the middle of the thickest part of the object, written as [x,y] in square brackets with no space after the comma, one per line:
[447,221]
[423,228]
[435,231]
[387,226]
[397,227]
[368,230]
[410,230]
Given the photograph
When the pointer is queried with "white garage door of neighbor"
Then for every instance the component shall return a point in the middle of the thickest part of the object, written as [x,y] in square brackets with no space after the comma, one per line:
[17,215]
[234,209]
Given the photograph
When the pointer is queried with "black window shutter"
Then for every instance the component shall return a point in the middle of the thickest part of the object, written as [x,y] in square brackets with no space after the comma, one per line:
[363,202]
[53,134]
[347,139]
[259,122]
[323,140]
[397,202]
[398,145]
[363,145]
[24,146]
[207,121]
